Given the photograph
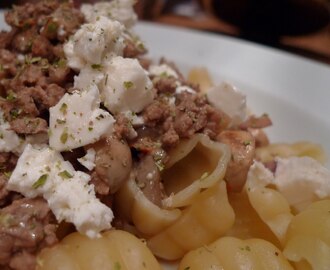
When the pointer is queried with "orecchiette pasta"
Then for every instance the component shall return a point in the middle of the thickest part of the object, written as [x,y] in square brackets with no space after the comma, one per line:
[284,150]
[308,237]
[201,77]
[117,250]
[270,204]
[195,164]
[229,253]
[209,217]
[148,218]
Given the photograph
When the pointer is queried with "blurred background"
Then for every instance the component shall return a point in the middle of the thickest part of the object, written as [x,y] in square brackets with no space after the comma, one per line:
[298,26]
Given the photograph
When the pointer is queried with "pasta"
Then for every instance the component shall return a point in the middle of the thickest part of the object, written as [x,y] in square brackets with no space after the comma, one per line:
[284,150]
[209,217]
[230,253]
[308,237]
[117,250]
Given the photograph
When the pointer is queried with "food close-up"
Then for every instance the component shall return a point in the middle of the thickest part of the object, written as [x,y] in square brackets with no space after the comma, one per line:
[111,158]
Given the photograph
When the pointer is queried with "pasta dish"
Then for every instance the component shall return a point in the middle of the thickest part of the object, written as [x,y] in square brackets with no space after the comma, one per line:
[113,160]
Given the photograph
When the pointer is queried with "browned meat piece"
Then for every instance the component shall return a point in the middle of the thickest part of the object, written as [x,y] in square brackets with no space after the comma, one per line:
[30,75]
[133,50]
[41,47]
[259,136]
[113,162]
[28,125]
[156,112]
[165,85]
[149,180]
[256,122]
[242,146]
[7,63]
[53,94]
[26,226]
[30,14]
[170,137]
[58,74]
[3,190]
[6,38]
[68,20]
[123,127]
[7,161]
[22,41]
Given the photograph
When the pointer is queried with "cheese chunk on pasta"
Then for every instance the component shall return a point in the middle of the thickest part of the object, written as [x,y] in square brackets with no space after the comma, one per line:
[43,172]
[76,120]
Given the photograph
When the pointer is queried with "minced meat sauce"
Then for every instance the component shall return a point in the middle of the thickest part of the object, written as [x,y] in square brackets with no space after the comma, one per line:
[34,76]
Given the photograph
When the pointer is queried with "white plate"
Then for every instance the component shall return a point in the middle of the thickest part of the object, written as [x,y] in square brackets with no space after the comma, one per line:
[294,91]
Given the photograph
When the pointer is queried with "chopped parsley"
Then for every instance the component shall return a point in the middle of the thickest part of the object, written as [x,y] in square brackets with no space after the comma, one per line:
[117,266]
[52,28]
[128,84]
[246,143]
[40,182]
[15,112]
[65,174]
[11,96]
[187,268]
[64,108]
[96,66]
[90,129]
[64,136]
[60,121]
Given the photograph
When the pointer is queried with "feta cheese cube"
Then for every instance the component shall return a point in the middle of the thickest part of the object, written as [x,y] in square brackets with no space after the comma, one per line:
[76,120]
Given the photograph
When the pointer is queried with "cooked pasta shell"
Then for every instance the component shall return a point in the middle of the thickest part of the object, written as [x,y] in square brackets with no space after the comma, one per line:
[285,150]
[271,205]
[229,253]
[196,164]
[148,218]
[114,250]
[308,237]
[208,217]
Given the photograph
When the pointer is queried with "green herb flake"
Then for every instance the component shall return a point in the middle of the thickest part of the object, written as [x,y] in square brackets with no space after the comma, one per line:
[247,248]
[11,96]
[160,166]
[117,266]
[96,66]
[1,68]
[90,129]
[52,28]
[187,268]
[1,136]
[128,84]
[65,174]
[246,143]
[64,108]
[35,60]
[64,136]
[7,174]
[14,113]
[40,182]
[60,121]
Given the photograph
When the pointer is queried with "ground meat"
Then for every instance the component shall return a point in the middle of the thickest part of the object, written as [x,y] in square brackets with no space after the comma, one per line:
[58,74]
[7,161]
[256,122]
[133,50]
[156,112]
[28,125]
[7,63]
[22,41]
[42,47]
[3,190]
[123,128]
[26,226]
[6,38]
[165,85]
[101,186]
[148,179]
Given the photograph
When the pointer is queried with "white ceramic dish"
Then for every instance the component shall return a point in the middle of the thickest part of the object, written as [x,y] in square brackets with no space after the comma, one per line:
[294,91]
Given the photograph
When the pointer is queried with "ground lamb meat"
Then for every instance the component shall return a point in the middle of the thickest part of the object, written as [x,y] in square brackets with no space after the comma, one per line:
[26,226]
[165,85]
[28,125]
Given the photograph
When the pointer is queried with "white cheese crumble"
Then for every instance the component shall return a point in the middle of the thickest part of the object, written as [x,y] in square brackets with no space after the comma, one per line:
[301,180]
[76,120]
[119,10]
[94,43]
[230,100]
[43,172]
[184,88]
[126,86]
[88,161]
[9,140]
[162,70]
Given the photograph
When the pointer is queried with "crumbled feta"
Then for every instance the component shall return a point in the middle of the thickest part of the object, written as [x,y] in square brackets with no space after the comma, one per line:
[302,180]
[126,86]
[43,172]
[184,88]
[76,120]
[88,161]
[95,42]
[9,140]
[230,100]
[163,70]
[119,10]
